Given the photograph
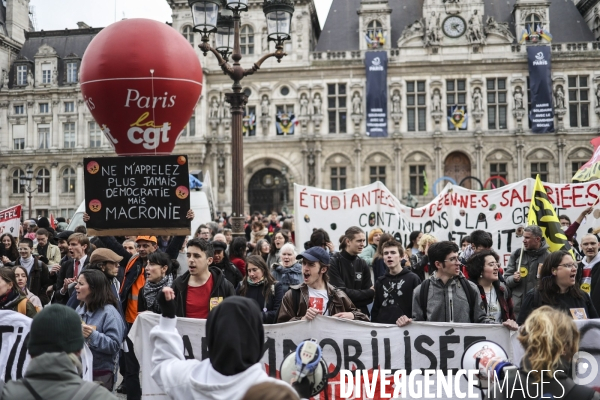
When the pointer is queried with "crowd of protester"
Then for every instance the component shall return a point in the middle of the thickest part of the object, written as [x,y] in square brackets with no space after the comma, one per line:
[105,282]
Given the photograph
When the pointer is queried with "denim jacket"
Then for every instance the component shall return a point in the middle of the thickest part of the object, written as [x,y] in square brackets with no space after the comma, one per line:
[105,341]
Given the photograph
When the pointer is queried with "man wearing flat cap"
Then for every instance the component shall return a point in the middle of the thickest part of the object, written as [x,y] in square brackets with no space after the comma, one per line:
[107,261]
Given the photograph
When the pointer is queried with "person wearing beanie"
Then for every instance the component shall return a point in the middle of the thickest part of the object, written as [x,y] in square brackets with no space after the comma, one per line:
[369,251]
[55,369]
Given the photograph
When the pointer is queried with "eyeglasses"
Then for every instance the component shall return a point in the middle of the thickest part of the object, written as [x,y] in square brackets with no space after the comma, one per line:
[452,260]
[571,265]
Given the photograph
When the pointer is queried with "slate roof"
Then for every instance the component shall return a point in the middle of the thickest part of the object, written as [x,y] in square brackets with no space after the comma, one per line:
[566,23]
[70,43]
[340,32]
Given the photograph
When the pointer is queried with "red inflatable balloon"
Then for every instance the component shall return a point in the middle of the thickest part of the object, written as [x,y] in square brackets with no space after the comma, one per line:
[141,80]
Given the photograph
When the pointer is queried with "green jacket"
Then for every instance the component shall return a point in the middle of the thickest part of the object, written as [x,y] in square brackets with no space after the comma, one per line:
[368,253]
[53,376]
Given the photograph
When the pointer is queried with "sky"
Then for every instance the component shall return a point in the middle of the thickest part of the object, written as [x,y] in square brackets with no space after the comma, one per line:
[61,14]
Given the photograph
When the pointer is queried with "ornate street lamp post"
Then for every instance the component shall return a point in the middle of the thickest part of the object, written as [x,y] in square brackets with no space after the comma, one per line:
[25,181]
[226,25]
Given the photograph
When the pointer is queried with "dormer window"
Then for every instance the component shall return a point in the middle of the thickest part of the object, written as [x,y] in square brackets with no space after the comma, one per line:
[46,73]
[71,72]
[532,20]
[375,36]
[22,75]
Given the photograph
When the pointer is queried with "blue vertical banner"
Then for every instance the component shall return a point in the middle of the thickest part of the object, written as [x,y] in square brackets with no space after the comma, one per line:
[376,63]
[540,85]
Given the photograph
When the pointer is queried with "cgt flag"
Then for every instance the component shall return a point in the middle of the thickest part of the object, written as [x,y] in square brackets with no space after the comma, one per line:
[542,214]
[590,169]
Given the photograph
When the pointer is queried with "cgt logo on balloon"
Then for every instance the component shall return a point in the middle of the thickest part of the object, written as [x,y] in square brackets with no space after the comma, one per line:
[141,80]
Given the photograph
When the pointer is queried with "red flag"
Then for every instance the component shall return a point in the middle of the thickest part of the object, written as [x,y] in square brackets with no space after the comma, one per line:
[52,222]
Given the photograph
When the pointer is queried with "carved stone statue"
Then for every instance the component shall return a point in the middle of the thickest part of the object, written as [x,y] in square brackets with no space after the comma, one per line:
[518,97]
[214,108]
[475,29]
[477,100]
[303,105]
[356,104]
[436,100]
[500,28]
[597,93]
[264,105]
[410,200]
[29,78]
[414,29]
[265,40]
[311,168]
[226,110]
[396,101]
[55,76]
[433,33]
[5,78]
[559,96]
[317,104]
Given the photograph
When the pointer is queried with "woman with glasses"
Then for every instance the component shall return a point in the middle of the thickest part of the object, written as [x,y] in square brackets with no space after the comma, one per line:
[557,288]
[496,302]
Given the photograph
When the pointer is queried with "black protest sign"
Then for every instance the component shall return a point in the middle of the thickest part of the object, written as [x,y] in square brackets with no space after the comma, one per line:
[137,195]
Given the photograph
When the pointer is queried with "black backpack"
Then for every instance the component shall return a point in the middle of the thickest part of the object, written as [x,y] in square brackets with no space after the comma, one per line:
[470,296]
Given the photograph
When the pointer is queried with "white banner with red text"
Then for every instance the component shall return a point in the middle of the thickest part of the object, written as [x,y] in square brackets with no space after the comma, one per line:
[10,220]
[451,215]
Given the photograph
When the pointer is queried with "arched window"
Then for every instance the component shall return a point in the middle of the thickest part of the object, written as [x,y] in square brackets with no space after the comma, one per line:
[375,36]
[247,40]
[17,188]
[532,21]
[68,178]
[44,174]
[188,34]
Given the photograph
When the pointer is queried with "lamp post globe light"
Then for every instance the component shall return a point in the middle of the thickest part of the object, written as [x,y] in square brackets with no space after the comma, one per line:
[222,17]
[25,182]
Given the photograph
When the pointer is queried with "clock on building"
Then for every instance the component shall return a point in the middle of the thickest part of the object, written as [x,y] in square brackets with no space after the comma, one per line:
[454,26]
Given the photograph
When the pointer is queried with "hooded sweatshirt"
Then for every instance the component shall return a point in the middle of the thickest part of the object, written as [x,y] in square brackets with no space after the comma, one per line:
[393,296]
[234,362]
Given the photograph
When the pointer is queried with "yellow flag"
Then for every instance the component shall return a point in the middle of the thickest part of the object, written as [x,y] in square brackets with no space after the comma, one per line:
[542,214]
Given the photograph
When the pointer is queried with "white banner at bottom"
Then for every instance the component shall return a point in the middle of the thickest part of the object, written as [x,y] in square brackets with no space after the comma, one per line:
[346,345]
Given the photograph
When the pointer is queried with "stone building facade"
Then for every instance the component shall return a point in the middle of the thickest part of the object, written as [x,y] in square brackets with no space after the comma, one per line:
[441,55]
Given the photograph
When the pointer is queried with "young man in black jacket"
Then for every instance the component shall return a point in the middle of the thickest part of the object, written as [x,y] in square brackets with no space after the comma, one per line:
[394,290]
[201,288]
[221,261]
[350,273]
